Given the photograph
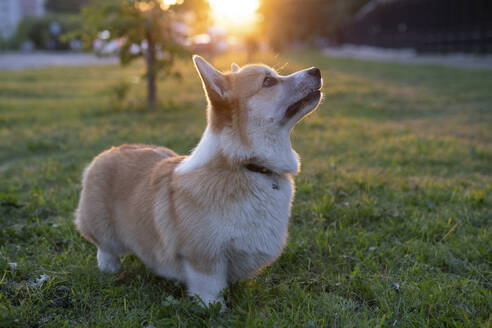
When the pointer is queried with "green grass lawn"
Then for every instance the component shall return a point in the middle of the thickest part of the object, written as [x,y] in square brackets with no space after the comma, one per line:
[391,225]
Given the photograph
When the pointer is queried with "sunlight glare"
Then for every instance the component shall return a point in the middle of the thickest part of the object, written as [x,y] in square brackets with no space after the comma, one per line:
[168,3]
[229,13]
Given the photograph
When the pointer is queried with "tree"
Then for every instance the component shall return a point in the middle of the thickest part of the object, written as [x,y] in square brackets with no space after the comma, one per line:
[145,28]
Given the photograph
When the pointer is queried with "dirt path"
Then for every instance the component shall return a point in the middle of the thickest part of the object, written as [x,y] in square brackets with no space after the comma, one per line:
[18,60]
[409,56]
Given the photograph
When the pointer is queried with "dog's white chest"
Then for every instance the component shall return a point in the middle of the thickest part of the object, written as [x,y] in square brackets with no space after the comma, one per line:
[255,230]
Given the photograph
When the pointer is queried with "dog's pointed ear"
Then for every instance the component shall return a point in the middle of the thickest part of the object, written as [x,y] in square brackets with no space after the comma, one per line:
[214,82]
[235,67]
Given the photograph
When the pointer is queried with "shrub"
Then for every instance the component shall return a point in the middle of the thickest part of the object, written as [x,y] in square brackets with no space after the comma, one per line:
[37,30]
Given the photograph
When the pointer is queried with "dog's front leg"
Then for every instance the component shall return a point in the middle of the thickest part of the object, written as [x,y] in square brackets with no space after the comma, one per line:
[206,280]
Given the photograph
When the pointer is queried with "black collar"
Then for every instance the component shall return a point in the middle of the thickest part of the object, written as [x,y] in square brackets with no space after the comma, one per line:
[258,169]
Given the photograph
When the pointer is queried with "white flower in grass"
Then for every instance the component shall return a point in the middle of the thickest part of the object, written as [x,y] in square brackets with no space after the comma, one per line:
[39,281]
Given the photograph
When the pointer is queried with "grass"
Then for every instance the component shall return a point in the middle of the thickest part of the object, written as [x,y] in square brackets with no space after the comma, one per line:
[391,225]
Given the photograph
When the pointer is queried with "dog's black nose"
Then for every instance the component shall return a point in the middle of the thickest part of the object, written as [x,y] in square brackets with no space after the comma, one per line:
[315,72]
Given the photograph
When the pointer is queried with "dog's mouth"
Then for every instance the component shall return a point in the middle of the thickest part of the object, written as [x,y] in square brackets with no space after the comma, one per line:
[311,97]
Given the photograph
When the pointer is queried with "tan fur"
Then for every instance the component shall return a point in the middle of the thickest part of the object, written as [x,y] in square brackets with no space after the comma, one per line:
[119,188]
[207,221]
[130,177]
[233,112]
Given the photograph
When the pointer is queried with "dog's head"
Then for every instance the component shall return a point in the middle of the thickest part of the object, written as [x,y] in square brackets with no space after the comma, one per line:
[253,109]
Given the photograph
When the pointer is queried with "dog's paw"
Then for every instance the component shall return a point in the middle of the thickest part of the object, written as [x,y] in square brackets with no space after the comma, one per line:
[212,303]
[108,262]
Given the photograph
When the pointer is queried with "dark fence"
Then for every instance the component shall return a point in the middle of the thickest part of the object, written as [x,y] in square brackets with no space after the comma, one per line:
[425,25]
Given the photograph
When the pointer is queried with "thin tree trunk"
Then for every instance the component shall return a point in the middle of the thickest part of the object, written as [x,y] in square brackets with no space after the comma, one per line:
[151,77]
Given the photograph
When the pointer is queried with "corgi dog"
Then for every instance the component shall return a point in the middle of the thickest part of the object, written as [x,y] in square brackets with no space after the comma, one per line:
[219,214]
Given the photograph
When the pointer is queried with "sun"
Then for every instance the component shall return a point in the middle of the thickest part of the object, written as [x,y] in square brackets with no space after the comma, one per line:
[234,13]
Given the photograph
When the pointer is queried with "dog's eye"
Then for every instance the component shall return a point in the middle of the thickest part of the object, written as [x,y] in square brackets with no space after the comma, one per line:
[269,81]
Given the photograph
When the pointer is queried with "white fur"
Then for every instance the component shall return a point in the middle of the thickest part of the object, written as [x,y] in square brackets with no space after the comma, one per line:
[246,235]
[207,286]
[206,149]
[235,67]
[275,151]
[107,262]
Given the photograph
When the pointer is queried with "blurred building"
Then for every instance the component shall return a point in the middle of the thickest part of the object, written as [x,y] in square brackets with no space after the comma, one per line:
[12,12]
[424,25]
